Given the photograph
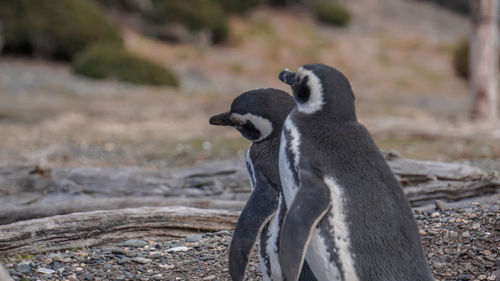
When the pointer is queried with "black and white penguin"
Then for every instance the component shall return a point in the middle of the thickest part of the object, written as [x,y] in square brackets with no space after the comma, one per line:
[348,215]
[259,115]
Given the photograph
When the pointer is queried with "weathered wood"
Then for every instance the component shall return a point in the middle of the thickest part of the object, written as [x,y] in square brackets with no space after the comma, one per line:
[28,191]
[451,191]
[12,213]
[484,60]
[418,170]
[88,229]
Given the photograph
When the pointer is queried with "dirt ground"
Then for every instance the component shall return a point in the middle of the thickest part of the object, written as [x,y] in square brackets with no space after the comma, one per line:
[397,55]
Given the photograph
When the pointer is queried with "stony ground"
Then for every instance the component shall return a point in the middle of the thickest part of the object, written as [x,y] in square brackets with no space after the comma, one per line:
[461,244]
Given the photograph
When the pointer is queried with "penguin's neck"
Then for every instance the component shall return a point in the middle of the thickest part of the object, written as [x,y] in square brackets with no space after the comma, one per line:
[265,154]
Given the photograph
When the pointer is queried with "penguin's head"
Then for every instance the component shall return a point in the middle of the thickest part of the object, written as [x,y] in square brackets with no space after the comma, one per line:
[257,114]
[321,88]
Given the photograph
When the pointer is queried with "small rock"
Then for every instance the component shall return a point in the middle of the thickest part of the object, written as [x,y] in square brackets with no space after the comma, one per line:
[463,277]
[130,254]
[206,258]
[78,269]
[435,215]
[154,255]
[135,243]
[210,277]
[142,260]
[106,266]
[89,277]
[45,270]
[481,277]
[476,226]
[123,260]
[24,267]
[56,257]
[465,234]
[118,251]
[178,249]
[193,238]
[421,231]
[440,205]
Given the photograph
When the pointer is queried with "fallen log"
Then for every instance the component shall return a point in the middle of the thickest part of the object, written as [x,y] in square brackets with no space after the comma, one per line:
[89,229]
[46,208]
[30,191]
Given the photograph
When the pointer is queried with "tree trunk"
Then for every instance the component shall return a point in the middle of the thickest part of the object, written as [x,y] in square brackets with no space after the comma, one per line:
[484,60]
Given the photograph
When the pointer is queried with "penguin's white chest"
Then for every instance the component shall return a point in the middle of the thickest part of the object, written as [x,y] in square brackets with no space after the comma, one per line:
[288,160]
[319,252]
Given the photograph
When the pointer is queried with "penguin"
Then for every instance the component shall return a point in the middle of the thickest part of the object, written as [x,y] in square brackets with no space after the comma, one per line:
[347,215]
[259,115]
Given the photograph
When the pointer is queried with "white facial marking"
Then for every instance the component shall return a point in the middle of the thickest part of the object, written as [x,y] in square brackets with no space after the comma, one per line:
[262,124]
[272,242]
[316,97]
[337,218]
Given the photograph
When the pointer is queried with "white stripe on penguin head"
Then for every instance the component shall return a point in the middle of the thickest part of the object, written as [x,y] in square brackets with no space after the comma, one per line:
[316,97]
[262,124]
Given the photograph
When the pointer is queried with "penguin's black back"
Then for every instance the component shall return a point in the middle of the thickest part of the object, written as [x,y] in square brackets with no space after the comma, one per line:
[383,233]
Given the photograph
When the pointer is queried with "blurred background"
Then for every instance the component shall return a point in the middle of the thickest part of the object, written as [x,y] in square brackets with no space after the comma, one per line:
[133,82]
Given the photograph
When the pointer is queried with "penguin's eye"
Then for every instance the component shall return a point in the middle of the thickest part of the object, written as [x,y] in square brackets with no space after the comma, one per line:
[301,90]
[249,131]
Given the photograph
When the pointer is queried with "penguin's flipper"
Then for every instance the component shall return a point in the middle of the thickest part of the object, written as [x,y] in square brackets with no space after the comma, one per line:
[311,203]
[259,209]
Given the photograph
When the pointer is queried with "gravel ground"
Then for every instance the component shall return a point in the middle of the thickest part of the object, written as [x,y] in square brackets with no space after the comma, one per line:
[461,244]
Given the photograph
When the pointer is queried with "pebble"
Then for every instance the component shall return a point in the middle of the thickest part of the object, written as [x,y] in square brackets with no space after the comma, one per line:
[123,260]
[23,267]
[440,205]
[142,260]
[435,215]
[193,238]
[178,249]
[210,277]
[135,243]
[465,234]
[45,270]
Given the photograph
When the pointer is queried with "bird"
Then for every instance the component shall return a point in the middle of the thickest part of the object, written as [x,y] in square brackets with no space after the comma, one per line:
[259,115]
[347,215]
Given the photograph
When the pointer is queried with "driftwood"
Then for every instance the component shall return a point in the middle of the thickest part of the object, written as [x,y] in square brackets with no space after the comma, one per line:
[85,204]
[220,188]
[99,227]
[29,191]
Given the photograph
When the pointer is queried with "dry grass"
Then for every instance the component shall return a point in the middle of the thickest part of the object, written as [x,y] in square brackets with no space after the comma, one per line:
[394,53]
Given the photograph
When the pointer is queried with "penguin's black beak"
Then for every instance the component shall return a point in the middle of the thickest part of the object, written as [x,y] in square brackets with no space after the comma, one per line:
[287,76]
[221,120]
